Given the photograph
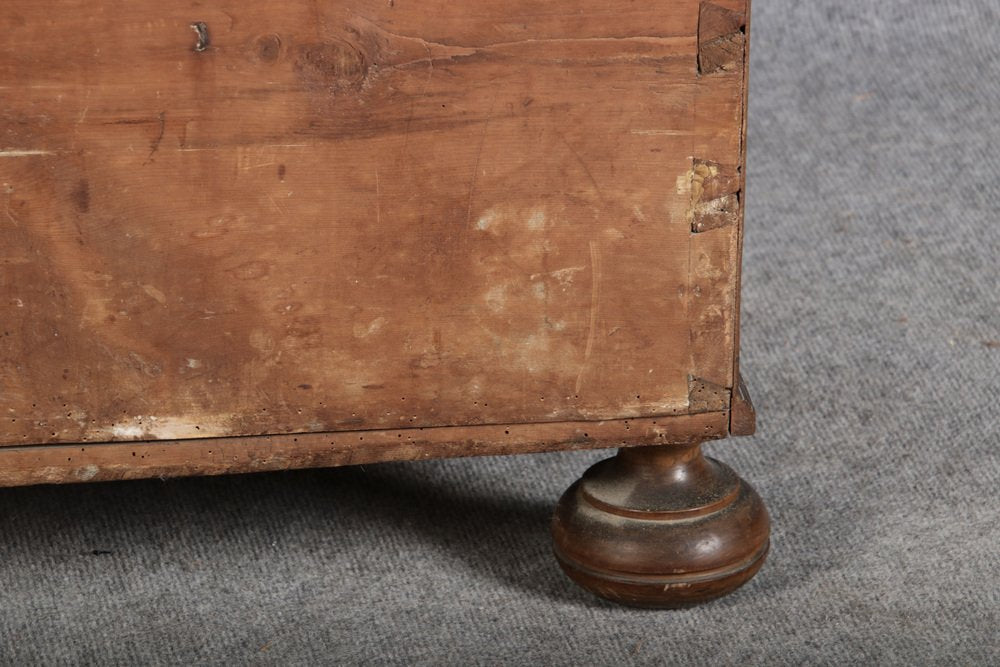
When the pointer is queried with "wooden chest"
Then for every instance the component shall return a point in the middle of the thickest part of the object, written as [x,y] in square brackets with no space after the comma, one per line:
[244,235]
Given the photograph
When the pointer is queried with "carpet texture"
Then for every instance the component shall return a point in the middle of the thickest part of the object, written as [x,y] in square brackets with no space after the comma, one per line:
[872,347]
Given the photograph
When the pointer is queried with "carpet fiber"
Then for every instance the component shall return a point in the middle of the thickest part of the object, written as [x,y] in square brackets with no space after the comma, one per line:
[872,348]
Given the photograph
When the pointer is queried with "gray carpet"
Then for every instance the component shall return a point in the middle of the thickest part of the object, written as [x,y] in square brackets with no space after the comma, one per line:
[872,346]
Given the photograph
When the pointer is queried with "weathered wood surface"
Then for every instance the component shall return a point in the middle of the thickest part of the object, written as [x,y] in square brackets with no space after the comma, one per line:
[233,218]
[100,462]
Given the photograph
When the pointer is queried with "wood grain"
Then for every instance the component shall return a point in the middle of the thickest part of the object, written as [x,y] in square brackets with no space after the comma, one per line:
[742,415]
[244,218]
[101,462]
[661,527]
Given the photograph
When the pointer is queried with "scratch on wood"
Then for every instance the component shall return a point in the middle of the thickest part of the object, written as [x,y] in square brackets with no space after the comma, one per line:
[275,204]
[661,133]
[451,51]
[413,102]
[155,294]
[154,145]
[479,157]
[564,276]
[10,216]
[430,65]
[23,153]
[226,148]
[584,166]
[129,121]
[536,218]
[378,199]
[595,303]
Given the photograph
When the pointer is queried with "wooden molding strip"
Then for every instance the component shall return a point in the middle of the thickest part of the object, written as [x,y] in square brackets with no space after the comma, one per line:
[88,462]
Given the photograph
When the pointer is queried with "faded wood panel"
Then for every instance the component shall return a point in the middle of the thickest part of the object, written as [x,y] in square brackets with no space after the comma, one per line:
[356,215]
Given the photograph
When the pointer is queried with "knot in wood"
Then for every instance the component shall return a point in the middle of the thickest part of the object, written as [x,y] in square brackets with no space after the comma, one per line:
[334,64]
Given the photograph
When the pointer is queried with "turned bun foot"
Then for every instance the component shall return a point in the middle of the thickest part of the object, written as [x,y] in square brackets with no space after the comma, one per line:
[660,527]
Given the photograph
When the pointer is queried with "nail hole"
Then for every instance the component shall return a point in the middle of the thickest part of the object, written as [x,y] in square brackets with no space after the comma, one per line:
[201,30]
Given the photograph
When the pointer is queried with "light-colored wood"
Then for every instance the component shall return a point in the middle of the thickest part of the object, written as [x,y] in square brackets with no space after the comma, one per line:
[243,218]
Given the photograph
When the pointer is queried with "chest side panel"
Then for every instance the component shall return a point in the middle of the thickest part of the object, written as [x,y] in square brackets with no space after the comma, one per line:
[229,218]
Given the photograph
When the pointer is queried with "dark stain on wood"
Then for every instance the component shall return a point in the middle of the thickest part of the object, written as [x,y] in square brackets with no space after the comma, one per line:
[335,64]
[267,48]
[81,196]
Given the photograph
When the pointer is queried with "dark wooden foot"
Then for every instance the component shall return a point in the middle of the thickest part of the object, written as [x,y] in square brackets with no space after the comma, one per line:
[660,527]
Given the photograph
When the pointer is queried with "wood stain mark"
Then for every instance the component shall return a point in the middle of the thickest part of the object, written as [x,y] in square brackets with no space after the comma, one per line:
[268,48]
[81,196]
[334,64]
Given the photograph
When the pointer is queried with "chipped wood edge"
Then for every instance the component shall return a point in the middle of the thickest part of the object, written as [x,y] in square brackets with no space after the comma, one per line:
[742,415]
[715,195]
[741,227]
[721,38]
[88,462]
[705,396]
